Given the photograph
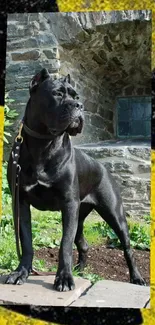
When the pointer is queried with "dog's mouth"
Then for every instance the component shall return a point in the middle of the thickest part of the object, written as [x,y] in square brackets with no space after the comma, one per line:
[75,126]
[75,123]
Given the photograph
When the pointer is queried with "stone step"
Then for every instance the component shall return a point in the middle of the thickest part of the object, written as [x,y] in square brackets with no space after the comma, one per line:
[115,294]
[39,291]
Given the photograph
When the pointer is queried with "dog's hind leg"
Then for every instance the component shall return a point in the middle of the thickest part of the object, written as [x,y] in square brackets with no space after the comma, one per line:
[20,275]
[110,208]
[80,241]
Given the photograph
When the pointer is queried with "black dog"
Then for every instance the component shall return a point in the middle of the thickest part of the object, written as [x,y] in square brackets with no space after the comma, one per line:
[55,176]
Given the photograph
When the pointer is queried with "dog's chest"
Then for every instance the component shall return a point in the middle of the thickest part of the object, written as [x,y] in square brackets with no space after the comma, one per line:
[40,190]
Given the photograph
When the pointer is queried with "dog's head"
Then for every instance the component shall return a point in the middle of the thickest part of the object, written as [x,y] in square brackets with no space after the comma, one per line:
[58,102]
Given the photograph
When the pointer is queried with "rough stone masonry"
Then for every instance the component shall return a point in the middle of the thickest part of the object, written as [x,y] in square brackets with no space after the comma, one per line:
[108,54]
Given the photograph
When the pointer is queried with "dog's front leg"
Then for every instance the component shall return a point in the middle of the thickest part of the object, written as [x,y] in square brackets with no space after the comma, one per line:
[20,275]
[64,280]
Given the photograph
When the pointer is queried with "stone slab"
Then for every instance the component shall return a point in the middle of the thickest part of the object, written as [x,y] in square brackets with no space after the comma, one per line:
[39,291]
[115,294]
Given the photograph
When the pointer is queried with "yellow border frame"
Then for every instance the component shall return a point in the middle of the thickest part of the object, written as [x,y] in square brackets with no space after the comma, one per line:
[97,5]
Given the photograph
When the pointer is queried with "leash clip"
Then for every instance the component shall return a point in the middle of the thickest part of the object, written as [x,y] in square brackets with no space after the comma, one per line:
[19,137]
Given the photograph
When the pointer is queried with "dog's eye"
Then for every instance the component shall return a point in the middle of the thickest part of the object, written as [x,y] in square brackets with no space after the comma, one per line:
[57,93]
[77,97]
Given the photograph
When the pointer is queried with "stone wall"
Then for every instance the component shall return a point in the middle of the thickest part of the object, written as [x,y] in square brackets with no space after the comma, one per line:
[108,54]
[130,164]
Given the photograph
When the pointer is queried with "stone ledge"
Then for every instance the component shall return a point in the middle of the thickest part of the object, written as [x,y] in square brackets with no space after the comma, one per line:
[116,143]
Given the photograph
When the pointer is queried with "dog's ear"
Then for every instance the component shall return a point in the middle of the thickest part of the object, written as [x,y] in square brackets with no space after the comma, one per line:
[38,79]
[67,79]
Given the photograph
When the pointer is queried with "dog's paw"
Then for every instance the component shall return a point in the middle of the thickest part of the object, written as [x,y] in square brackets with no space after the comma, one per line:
[17,277]
[137,279]
[64,282]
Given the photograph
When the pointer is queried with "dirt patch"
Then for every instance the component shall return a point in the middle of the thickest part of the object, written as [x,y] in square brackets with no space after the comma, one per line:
[106,262]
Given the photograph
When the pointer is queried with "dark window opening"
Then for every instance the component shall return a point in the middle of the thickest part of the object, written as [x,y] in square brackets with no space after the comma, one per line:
[133,117]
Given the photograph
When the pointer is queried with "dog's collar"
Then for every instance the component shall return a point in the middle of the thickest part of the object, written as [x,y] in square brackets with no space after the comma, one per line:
[32,133]
[37,135]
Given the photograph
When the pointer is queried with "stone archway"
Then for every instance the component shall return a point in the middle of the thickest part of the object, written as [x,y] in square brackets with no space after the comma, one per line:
[107,55]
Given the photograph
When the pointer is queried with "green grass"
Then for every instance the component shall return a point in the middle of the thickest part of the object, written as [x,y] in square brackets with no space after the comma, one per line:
[8,256]
[46,229]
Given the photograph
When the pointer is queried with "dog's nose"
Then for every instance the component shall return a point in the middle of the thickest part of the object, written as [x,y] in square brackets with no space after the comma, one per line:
[79,105]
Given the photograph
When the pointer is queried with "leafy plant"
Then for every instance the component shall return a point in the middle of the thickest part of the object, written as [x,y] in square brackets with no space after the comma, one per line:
[92,277]
[46,229]
[139,235]
[40,264]
[9,116]
[87,274]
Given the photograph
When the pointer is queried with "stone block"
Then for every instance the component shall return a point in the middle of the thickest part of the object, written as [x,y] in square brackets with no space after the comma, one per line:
[30,42]
[11,30]
[98,121]
[33,17]
[46,39]
[122,167]
[140,152]
[39,41]
[98,59]
[105,111]
[17,82]
[140,91]
[130,90]
[87,92]
[20,17]
[24,68]
[129,193]
[97,152]
[36,25]
[19,31]
[32,67]
[118,152]
[51,54]
[19,95]
[44,26]
[90,106]
[144,167]
[25,56]
[53,65]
